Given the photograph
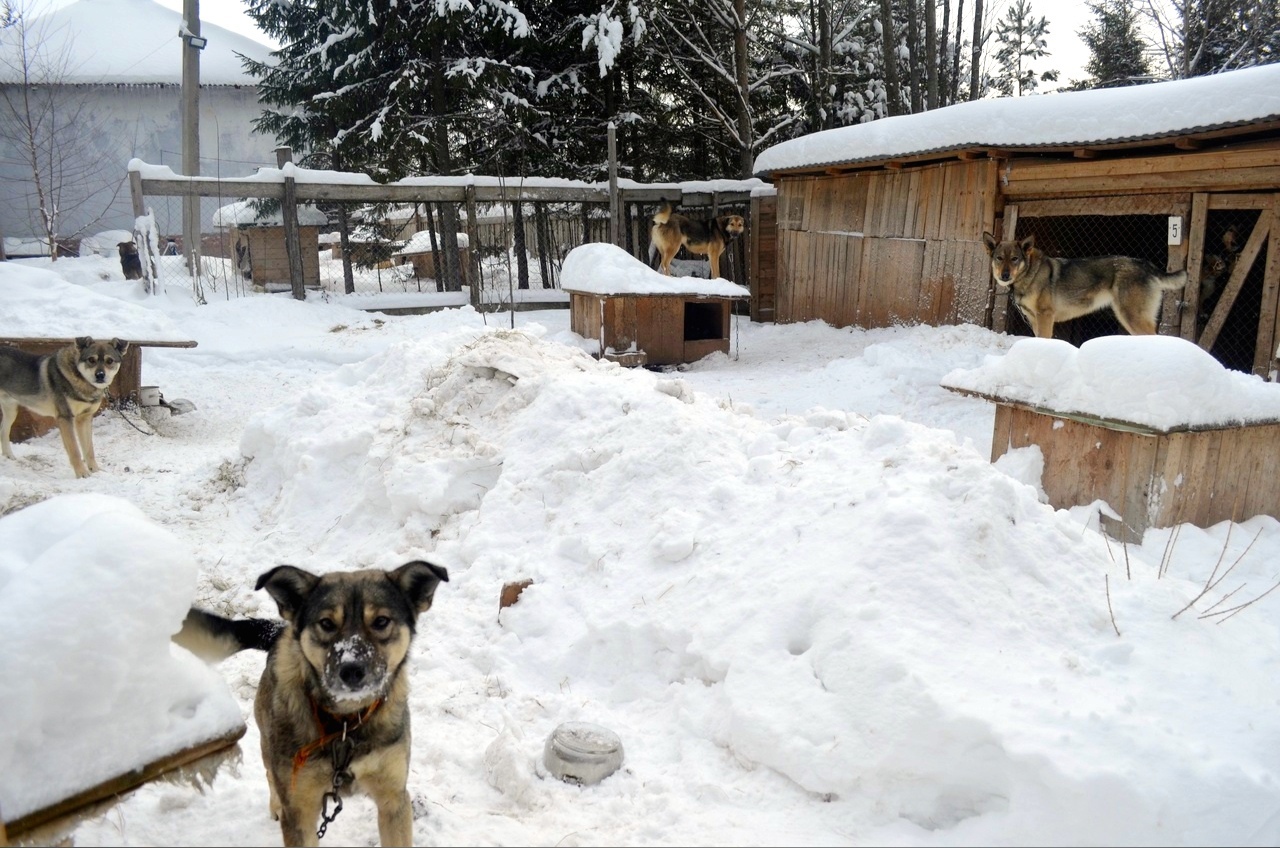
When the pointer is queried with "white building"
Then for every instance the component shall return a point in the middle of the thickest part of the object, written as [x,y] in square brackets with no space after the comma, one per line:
[115,70]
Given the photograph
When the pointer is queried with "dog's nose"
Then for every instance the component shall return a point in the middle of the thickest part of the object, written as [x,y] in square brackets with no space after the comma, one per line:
[100,376]
[351,674]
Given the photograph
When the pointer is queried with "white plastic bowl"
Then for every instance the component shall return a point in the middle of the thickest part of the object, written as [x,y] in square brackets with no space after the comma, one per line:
[582,753]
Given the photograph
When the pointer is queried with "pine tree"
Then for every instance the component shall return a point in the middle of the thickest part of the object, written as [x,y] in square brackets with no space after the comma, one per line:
[1021,37]
[1117,49]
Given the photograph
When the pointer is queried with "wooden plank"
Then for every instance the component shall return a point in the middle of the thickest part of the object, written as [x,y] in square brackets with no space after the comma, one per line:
[123,783]
[906,261]
[782,311]
[1196,227]
[1202,180]
[1244,262]
[1025,170]
[1264,351]
[1158,204]
[913,224]
[871,208]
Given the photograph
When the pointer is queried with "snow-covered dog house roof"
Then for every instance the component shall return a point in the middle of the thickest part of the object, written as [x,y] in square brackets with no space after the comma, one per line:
[245,213]
[640,316]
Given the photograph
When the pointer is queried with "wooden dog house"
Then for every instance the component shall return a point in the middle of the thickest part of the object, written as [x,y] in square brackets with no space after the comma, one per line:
[259,242]
[641,317]
[1155,427]
[418,251]
[882,222]
[1150,477]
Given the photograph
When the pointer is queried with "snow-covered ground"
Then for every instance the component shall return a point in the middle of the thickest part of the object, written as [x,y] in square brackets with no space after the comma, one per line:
[789,579]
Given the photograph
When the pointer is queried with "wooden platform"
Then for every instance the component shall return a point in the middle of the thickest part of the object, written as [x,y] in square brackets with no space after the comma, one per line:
[45,826]
[123,388]
[1151,478]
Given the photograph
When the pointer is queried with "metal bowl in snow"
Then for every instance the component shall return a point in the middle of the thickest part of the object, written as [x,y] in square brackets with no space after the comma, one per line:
[582,753]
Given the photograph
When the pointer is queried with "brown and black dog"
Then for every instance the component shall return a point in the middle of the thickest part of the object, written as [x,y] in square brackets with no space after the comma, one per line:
[130,261]
[333,703]
[69,386]
[706,236]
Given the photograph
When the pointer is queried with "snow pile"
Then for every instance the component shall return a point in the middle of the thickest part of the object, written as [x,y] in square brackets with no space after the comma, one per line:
[780,591]
[1163,382]
[90,686]
[39,303]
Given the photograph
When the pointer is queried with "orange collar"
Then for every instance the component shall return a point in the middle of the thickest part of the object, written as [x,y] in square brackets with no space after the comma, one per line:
[305,752]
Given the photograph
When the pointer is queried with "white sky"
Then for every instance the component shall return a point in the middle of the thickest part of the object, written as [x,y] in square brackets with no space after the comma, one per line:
[790,579]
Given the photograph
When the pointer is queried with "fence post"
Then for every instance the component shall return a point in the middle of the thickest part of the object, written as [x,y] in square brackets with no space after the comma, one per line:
[289,213]
[146,250]
[615,206]
[473,245]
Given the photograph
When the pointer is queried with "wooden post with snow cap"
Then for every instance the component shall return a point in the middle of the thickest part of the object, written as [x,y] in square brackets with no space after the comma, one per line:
[615,206]
[473,244]
[289,215]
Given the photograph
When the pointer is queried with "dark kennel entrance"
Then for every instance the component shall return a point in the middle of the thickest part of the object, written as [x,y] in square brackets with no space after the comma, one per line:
[1226,307]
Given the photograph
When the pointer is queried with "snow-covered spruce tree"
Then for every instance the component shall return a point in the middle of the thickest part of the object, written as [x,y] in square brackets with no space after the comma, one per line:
[1118,52]
[394,86]
[1021,39]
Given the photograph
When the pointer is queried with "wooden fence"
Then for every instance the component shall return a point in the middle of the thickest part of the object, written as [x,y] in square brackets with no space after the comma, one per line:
[625,209]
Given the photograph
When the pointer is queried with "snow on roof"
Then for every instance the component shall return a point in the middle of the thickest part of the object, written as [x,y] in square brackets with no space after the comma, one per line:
[243,214]
[753,185]
[131,42]
[1162,382]
[105,243]
[1068,118]
[600,268]
[420,242]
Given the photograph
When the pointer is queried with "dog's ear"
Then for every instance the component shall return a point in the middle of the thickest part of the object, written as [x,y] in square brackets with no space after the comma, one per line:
[120,345]
[84,341]
[990,241]
[1028,244]
[418,581]
[289,586]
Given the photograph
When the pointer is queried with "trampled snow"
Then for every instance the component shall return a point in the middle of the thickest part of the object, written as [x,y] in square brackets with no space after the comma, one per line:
[789,579]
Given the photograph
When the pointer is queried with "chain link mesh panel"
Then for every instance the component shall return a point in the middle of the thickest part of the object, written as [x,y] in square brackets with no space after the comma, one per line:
[1146,237]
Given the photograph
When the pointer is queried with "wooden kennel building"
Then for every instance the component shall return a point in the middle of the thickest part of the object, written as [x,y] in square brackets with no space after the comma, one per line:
[882,223]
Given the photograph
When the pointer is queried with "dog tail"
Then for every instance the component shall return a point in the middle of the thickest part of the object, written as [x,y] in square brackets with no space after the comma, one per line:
[663,215]
[1176,280]
[212,637]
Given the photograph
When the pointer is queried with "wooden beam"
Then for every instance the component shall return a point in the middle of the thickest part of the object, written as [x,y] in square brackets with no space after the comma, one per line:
[1084,153]
[1142,204]
[1195,258]
[1185,143]
[1232,290]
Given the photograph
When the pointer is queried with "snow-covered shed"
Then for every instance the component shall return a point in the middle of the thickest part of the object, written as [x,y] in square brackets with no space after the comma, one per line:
[419,252]
[640,316]
[257,233]
[882,222]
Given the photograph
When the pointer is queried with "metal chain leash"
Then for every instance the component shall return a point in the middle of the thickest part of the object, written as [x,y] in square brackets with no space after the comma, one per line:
[342,751]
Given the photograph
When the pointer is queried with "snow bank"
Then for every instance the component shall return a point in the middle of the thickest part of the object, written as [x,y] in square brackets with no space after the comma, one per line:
[90,686]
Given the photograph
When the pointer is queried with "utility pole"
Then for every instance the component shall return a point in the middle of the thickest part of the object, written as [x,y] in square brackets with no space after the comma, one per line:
[192,44]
